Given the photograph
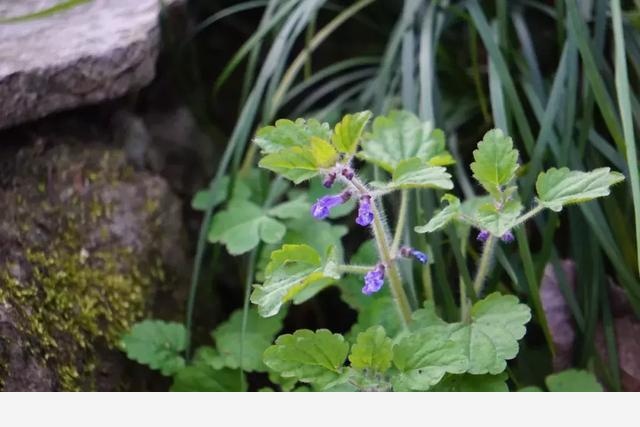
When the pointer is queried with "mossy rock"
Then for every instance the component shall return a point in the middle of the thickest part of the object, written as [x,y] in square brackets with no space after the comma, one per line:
[86,246]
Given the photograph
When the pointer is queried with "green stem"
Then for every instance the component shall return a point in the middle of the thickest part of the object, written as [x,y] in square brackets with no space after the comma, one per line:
[485,264]
[402,215]
[533,212]
[381,236]
[355,269]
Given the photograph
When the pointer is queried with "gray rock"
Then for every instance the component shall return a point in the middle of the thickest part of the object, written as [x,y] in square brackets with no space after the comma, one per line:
[88,245]
[88,53]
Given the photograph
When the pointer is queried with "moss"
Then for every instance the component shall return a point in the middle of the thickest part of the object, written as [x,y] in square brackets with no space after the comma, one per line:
[71,302]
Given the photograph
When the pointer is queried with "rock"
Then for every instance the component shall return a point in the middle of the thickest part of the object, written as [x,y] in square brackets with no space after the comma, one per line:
[88,53]
[559,317]
[87,246]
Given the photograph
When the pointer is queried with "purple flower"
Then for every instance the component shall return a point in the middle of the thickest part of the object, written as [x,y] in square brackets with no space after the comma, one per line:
[322,207]
[329,179]
[507,237]
[365,213]
[410,252]
[373,280]
[348,173]
[483,235]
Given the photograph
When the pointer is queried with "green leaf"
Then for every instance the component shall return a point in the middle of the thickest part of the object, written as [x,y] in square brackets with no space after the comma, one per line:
[205,198]
[443,217]
[286,134]
[210,356]
[497,221]
[573,380]
[204,378]
[496,161]
[414,173]
[156,344]
[347,133]
[291,269]
[296,150]
[259,334]
[372,350]
[311,357]
[400,136]
[242,225]
[497,323]
[292,209]
[425,356]
[426,353]
[473,383]
[559,187]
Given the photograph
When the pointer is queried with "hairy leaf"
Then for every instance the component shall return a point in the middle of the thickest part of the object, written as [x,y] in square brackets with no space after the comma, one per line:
[291,269]
[286,134]
[157,344]
[473,383]
[496,161]
[242,225]
[414,173]
[259,334]
[372,350]
[347,133]
[573,380]
[400,136]
[497,221]
[559,187]
[443,217]
[204,378]
[311,357]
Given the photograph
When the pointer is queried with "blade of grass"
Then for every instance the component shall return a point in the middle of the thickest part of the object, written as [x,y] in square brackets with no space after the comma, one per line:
[57,8]
[624,104]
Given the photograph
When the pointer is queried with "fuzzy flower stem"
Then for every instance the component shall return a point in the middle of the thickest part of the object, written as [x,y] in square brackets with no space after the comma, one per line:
[485,264]
[355,269]
[402,214]
[380,234]
[533,212]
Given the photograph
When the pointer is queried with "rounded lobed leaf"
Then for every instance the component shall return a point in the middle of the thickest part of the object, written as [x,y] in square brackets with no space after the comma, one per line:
[372,350]
[157,344]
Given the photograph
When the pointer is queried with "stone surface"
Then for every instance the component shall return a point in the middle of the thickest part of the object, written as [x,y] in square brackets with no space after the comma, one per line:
[91,52]
[88,245]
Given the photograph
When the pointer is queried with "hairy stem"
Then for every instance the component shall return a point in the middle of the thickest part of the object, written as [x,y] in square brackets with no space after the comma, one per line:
[533,212]
[402,215]
[355,269]
[380,234]
[485,264]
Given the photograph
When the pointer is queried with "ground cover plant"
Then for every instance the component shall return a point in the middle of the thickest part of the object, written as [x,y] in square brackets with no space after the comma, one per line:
[338,177]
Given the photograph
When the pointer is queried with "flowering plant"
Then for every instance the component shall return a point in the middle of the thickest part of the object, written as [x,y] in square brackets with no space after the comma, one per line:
[402,340]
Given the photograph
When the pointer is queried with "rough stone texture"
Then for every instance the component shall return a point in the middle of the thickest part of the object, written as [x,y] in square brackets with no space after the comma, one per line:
[88,245]
[91,52]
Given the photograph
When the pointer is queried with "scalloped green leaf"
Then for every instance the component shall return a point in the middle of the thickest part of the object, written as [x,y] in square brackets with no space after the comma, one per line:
[497,221]
[157,344]
[372,350]
[292,268]
[573,380]
[443,217]
[347,133]
[414,173]
[496,161]
[259,334]
[311,357]
[559,187]
[400,136]
[204,378]
[291,209]
[473,383]
[242,225]
[424,356]
[426,353]
[286,134]
[497,323]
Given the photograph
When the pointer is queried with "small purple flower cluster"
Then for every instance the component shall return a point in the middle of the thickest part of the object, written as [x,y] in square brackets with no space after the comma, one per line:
[408,252]
[374,280]
[507,237]
[322,207]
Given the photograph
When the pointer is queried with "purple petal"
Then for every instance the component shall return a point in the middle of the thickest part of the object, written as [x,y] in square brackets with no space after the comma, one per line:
[374,280]
[483,235]
[322,207]
[365,213]
[507,237]
[329,179]
[420,256]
